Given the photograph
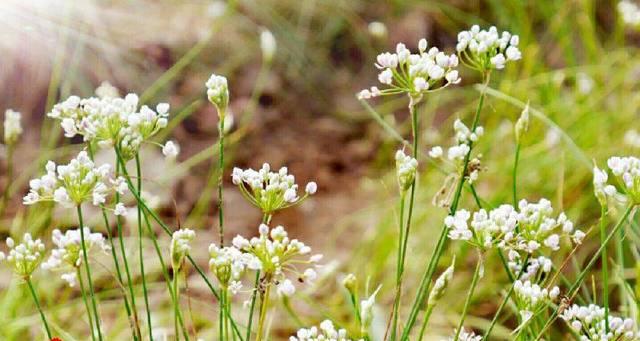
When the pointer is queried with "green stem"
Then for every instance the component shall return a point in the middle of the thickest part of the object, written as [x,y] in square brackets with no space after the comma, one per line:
[605,273]
[220,176]
[619,242]
[37,302]
[140,250]
[176,303]
[427,277]
[427,315]
[254,294]
[514,175]
[9,177]
[88,270]
[396,303]
[264,304]
[467,303]
[83,292]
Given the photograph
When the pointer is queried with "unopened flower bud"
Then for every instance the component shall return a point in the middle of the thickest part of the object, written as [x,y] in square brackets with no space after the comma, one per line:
[350,283]
[268,45]
[441,284]
[406,168]
[218,93]
[522,125]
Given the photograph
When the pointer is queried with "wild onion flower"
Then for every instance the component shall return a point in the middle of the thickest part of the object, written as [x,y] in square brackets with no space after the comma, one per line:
[466,336]
[12,127]
[170,150]
[601,188]
[218,93]
[268,45]
[530,298]
[413,74]
[111,121]
[270,191]
[456,154]
[486,50]
[24,257]
[180,246]
[72,184]
[630,13]
[377,29]
[325,331]
[536,267]
[279,256]
[105,89]
[406,168]
[626,171]
[536,227]
[589,323]
[632,138]
[67,256]
[228,264]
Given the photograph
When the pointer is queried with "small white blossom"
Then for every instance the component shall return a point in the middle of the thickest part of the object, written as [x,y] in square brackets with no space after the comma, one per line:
[12,126]
[484,50]
[180,246]
[325,332]
[218,93]
[170,150]
[25,257]
[630,13]
[406,169]
[268,45]
[377,29]
[589,323]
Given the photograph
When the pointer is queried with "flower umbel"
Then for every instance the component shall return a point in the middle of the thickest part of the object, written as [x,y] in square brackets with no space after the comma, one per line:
[326,331]
[24,257]
[218,93]
[228,264]
[590,324]
[484,50]
[406,168]
[180,246]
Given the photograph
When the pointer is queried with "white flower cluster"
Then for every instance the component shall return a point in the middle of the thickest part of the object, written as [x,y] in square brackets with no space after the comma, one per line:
[74,183]
[228,264]
[111,121]
[627,173]
[590,324]
[414,74]
[632,138]
[535,267]
[218,93]
[464,139]
[530,297]
[67,256]
[497,228]
[466,336]
[12,126]
[24,257]
[630,12]
[180,246]
[406,168]
[485,50]
[326,332]
[270,191]
[279,255]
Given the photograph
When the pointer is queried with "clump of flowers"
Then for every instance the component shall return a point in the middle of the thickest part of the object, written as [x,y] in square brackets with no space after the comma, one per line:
[466,336]
[67,256]
[530,297]
[218,93]
[180,246]
[484,50]
[111,121]
[25,257]
[228,264]
[626,171]
[589,323]
[406,168]
[278,256]
[325,331]
[72,184]
[12,127]
[270,191]
[457,154]
[536,227]
[630,13]
[413,73]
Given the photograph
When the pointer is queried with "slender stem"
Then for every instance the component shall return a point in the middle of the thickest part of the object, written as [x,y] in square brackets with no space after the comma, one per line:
[123,251]
[140,250]
[605,273]
[514,175]
[505,300]
[264,304]
[619,243]
[427,277]
[83,292]
[37,302]
[88,270]
[399,262]
[467,303]
[220,176]
[9,177]
[254,294]
[427,315]
[176,303]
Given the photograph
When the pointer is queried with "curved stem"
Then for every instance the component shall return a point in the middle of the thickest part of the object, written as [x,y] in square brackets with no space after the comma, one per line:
[37,302]
[427,315]
[83,293]
[264,298]
[88,270]
[140,250]
[467,303]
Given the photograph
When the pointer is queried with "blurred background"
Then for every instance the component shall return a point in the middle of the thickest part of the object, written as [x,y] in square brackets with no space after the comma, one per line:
[579,71]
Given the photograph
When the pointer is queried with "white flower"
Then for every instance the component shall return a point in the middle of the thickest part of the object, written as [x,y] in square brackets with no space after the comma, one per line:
[326,332]
[386,77]
[25,257]
[484,50]
[366,310]
[627,173]
[377,29]
[286,288]
[467,336]
[120,210]
[107,90]
[228,264]
[171,150]
[406,168]
[311,188]
[589,323]
[218,93]
[436,152]
[630,13]
[268,45]
[180,246]
[12,126]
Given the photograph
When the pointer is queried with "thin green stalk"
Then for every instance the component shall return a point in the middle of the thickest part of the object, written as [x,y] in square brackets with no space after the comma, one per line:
[620,259]
[396,303]
[514,175]
[425,282]
[176,303]
[9,177]
[604,260]
[427,315]
[254,294]
[467,303]
[140,249]
[220,176]
[88,270]
[83,292]
[264,304]
[505,300]
[576,285]
[37,302]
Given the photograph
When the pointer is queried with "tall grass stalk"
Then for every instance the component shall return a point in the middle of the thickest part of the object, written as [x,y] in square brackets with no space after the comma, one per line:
[477,274]
[83,293]
[140,248]
[37,302]
[604,260]
[87,268]
[220,177]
